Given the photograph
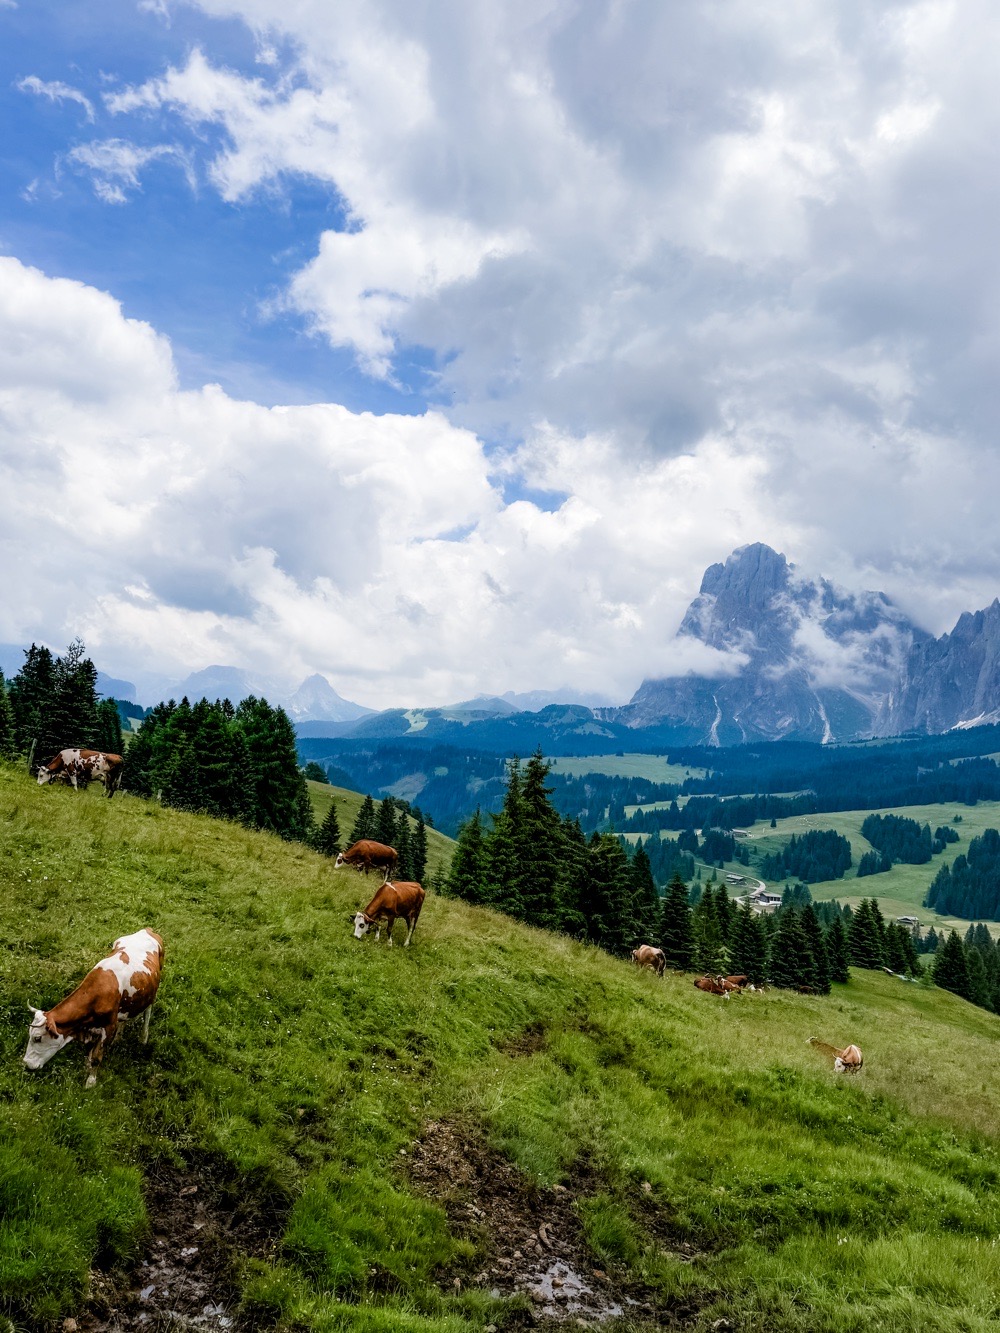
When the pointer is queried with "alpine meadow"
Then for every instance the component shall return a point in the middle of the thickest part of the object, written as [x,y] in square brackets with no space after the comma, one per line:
[690,1159]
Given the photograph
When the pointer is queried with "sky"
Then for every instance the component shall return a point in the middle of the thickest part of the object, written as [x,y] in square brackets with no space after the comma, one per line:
[439,348]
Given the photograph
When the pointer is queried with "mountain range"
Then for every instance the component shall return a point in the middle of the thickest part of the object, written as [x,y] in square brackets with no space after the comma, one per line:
[786,657]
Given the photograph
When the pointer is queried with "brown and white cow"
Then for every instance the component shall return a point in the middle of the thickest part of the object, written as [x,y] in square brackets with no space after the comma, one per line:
[367,855]
[647,956]
[715,985]
[391,902]
[82,766]
[119,987]
[846,1061]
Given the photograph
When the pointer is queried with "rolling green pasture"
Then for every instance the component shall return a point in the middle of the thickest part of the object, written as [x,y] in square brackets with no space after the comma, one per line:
[297,1066]
[901,890]
[323,795]
[655,767]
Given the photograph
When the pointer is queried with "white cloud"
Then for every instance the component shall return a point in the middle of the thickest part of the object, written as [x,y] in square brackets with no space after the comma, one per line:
[55,91]
[116,165]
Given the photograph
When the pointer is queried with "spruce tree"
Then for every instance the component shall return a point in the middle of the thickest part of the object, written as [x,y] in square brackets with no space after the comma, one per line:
[72,719]
[385,823]
[280,798]
[838,951]
[364,824]
[608,892]
[820,980]
[748,946]
[710,952]
[8,741]
[895,947]
[791,963]
[108,732]
[645,908]
[419,850]
[403,843]
[866,940]
[951,971]
[979,988]
[573,880]
[327,838]
[539,846]
[676,936]
[467,875]
[504,848]
[31,694]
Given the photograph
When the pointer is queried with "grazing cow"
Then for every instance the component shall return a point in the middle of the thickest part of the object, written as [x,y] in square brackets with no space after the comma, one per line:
[76,766]
[846,1061]
[392,900]
[737,983]
[647,956]
[120,987]
[366,855]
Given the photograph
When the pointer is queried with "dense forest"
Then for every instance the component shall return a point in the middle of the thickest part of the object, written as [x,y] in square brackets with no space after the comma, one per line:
[970,886]
[818,855]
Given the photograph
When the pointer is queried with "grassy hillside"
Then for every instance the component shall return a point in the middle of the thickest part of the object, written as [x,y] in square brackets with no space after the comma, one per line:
[323,795]
[327,1134]
[655,767]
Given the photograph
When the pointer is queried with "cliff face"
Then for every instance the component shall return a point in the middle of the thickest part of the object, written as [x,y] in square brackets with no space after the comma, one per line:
[949,682]
[798,658]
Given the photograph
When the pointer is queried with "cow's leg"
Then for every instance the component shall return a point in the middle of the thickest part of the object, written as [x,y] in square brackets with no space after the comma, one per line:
[389,923]
[95,1055]
[145,1023]
[413,926]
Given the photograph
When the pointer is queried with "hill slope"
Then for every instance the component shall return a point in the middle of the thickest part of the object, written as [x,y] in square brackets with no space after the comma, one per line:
[326,1134]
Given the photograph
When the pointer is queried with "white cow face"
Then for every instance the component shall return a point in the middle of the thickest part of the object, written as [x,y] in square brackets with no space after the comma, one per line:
[43,775]
[361,926]
[42,1043]
[339,861]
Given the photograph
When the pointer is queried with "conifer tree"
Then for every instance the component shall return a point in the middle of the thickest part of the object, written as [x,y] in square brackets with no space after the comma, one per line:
[820,980]
[979,989]
[385,823]
[279,795]
[864,937]
[895,948]
[419,851]
[328,835]
[573,880]
[467,875]
[710,952]
[645,907]
[951,970]
[8,741]
[31,694]
[748,946]
[503,848]
[791,962]
[608,893]
[539,846]
[676,936]
[138,770]
[364,824]
[108,731]
[403,843]
[72,719]
[838,951]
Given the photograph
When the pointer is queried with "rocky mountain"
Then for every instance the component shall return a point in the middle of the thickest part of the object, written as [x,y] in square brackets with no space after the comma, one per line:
[317,700]
[949,682]
[791,657]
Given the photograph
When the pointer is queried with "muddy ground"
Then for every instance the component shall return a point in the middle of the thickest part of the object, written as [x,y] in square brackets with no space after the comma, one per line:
[186,1280]
[528,1239]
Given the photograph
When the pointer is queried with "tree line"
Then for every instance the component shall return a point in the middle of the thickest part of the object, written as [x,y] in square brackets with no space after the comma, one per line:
[970,886]
[52,704]
[819,855]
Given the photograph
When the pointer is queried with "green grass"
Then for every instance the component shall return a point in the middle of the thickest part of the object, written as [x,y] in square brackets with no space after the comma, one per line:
[655,767]
[299,1065]
[323,795]
[900,891]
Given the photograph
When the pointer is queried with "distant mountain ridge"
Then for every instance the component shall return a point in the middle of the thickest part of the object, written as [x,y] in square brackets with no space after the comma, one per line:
[797,658]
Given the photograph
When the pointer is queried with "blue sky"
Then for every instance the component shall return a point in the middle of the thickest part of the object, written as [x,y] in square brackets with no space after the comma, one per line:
[519,317]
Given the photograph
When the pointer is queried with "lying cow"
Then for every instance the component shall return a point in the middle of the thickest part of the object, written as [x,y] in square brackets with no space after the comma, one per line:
[367,855]
[647,956]
[846,1061]
[120,987]
[391,902]
[724,986]
[82,766]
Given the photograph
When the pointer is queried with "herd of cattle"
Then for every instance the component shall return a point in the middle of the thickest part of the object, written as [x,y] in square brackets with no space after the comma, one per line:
[124,984]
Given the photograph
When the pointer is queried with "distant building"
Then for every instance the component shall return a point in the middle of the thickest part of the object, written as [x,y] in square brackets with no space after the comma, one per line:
[736,879]
[764,900]
[911,923]
[740,833]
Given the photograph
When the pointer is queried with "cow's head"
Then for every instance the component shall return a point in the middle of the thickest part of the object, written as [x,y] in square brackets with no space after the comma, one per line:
[44,774]
[339,861]
[43,1040]
[361,925]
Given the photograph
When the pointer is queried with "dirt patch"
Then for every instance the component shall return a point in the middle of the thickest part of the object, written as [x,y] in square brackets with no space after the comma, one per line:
[200,1228]
[529,1042]
[528,1240]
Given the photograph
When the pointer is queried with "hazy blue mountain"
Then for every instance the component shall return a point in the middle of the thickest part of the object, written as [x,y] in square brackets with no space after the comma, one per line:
[317,700]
